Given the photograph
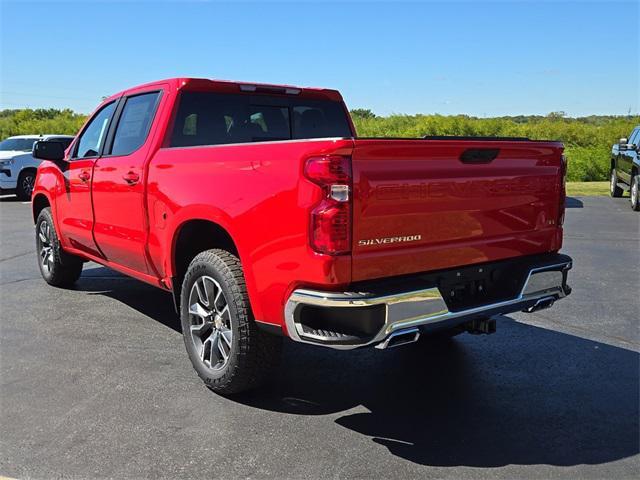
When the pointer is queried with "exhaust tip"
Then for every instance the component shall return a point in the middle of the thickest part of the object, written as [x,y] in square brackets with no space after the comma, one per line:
[541,304]
[402,337]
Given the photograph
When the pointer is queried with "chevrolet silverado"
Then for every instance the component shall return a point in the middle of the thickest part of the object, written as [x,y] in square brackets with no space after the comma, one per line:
[265,215]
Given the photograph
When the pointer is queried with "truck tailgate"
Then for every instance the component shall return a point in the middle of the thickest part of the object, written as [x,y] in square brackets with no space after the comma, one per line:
[422,205]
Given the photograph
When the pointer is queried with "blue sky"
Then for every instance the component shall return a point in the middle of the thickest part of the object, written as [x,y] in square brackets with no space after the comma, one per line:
[479,58]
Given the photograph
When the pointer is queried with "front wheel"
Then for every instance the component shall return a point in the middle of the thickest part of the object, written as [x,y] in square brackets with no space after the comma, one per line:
[57,267]
[224,344]
[614,189]
[635,195]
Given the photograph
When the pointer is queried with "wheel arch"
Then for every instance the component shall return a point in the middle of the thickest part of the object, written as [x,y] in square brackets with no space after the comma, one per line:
[38,203]
[190,238]
[27,168]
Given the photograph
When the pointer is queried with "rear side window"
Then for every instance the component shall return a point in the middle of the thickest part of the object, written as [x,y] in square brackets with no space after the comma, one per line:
[206,118]
[135,121]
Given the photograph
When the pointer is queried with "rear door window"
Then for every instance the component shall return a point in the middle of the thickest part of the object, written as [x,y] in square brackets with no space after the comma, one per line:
[134,123]
[207,118]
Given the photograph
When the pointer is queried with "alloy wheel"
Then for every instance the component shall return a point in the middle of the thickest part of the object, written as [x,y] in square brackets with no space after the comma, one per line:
[27,184]
[210,320]
[45,246]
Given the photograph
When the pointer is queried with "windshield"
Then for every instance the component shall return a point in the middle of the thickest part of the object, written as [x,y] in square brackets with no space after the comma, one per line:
[19,144]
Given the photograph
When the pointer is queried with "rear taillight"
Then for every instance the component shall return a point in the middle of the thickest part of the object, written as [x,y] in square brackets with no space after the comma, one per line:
[330,219]
[563,191]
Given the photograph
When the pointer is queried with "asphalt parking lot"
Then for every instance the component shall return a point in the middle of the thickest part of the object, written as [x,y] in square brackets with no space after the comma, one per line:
[95,382]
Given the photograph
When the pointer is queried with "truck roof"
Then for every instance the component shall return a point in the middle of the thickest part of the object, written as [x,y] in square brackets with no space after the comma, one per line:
[233,86]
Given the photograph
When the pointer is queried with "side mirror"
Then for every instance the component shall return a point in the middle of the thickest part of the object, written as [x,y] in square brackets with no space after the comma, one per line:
[622,144]
[48,150]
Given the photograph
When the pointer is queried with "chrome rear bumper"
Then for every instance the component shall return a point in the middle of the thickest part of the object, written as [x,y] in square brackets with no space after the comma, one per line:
[419,308]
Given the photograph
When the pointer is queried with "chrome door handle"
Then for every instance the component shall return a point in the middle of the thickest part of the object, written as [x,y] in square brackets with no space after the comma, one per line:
[131,178]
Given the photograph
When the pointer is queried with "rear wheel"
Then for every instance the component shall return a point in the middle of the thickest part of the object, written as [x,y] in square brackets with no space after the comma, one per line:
[57,267]
[226,348]
[635,195]
[26,181]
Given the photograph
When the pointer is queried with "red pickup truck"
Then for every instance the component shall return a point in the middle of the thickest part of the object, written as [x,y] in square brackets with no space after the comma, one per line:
[265,215]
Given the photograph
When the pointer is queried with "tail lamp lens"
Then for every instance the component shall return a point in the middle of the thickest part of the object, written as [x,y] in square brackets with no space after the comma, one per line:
[330,219]
[331,228]
[563,191]
[328,170]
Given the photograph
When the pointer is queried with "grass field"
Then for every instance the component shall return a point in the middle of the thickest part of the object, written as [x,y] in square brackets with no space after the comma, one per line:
[587,189]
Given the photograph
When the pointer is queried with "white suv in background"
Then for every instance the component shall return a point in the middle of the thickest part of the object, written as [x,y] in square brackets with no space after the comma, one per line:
[17,165]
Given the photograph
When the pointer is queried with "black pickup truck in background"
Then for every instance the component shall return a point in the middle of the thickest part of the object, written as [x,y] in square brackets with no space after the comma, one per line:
[625,167]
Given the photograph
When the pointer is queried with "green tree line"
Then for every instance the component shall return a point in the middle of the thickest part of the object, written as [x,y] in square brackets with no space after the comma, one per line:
[39,121]
[587,140]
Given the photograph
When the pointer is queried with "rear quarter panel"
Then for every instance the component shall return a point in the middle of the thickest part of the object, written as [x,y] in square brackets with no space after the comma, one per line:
[256,192]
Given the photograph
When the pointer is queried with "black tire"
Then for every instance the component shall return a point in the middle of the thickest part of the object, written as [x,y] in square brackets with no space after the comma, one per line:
[57,267]
[26,181]
[635,192]
[251,354]
[614,189]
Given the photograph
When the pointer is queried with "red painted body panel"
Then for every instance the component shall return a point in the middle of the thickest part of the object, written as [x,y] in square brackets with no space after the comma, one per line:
[74,211]
[257,192]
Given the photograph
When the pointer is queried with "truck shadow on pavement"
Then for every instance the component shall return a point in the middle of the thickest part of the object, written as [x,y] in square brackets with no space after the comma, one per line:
[148,300]
[525,395]
[572,202]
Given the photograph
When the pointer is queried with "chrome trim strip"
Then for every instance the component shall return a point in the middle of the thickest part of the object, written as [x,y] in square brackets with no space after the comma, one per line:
[428,305]
[294,140]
